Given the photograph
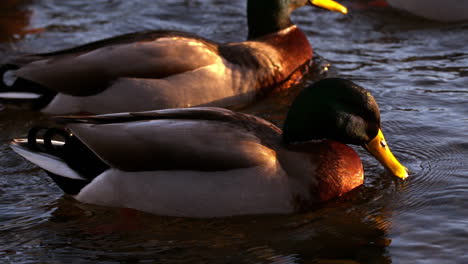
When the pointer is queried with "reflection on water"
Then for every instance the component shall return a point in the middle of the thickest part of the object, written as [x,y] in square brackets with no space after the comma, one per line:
[416,69]
[68,230]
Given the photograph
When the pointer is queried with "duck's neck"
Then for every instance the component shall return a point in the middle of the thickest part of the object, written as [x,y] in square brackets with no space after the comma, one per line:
[267,16]
[293,47]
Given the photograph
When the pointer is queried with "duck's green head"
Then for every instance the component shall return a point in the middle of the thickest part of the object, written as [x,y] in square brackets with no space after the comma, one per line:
[338,109]
[268,16]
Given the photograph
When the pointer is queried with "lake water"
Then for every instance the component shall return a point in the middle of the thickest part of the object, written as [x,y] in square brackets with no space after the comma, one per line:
[416,69]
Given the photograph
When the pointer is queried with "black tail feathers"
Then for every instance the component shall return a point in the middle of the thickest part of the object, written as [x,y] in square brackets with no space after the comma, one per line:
[61,143]
[68,185]
[47,135]
[21,87]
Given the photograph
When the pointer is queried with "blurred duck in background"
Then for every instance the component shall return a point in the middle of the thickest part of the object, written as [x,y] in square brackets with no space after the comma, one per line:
[212,162]
[443,11]
[14,20]
[164,69]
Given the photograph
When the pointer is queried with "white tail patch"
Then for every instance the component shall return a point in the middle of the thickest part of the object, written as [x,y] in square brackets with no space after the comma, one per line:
[19,95]
[47,162]
[9,77]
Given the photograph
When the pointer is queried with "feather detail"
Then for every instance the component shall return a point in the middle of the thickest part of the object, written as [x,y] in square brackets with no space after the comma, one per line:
[45,161]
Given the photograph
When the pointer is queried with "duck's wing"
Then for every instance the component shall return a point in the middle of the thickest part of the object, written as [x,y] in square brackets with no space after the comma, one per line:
[142,36]
[91,68]
[203,139]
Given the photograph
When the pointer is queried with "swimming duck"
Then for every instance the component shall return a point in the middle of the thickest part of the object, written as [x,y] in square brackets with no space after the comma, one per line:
[212,162]
[448,11]
[166,69]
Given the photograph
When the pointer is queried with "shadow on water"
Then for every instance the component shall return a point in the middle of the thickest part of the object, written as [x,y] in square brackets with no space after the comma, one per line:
[71,231]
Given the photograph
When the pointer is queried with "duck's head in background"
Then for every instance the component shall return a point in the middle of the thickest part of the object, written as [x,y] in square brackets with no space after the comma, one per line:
[269,16]
[339,110]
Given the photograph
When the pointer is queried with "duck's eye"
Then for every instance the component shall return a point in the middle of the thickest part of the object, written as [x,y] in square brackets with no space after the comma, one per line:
[383,144]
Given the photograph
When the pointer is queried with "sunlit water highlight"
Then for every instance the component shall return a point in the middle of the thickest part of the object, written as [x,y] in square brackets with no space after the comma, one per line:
[416,69]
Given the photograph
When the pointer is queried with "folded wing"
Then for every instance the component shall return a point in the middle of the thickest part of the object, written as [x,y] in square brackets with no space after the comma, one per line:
[91,68]
[205,139]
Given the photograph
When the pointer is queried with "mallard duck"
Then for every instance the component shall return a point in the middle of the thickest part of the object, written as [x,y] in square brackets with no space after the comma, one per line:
[166,69]
[212,162]
[449,11]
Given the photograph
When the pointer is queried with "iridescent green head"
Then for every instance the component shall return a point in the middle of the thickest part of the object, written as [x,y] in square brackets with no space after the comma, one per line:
[340,110]
[269,16]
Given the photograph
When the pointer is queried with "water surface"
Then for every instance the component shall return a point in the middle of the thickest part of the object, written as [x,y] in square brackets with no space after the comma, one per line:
[416,69]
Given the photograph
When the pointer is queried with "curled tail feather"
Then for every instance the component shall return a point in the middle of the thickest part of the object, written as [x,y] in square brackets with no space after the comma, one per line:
[71,150]
[69,163]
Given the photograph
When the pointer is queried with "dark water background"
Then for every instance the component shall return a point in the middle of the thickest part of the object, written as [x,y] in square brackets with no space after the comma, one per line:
[416,69]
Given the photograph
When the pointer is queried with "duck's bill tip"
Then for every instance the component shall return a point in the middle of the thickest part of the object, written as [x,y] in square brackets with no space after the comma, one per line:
[402,172]
[378,148]
[330,5]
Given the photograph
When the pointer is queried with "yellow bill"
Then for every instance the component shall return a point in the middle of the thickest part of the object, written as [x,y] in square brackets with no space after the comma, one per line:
[330,5]
[381,151]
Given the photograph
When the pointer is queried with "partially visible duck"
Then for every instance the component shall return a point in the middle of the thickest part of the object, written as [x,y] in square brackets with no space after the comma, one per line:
[212,162]
[14,20]
[165,69]
[448,11]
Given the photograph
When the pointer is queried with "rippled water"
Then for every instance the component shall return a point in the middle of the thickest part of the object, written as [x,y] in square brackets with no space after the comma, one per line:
[416,69]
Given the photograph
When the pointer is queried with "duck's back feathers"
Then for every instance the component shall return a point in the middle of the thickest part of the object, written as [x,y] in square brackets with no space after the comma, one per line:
[89,69]
[188,139]
[141,36]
